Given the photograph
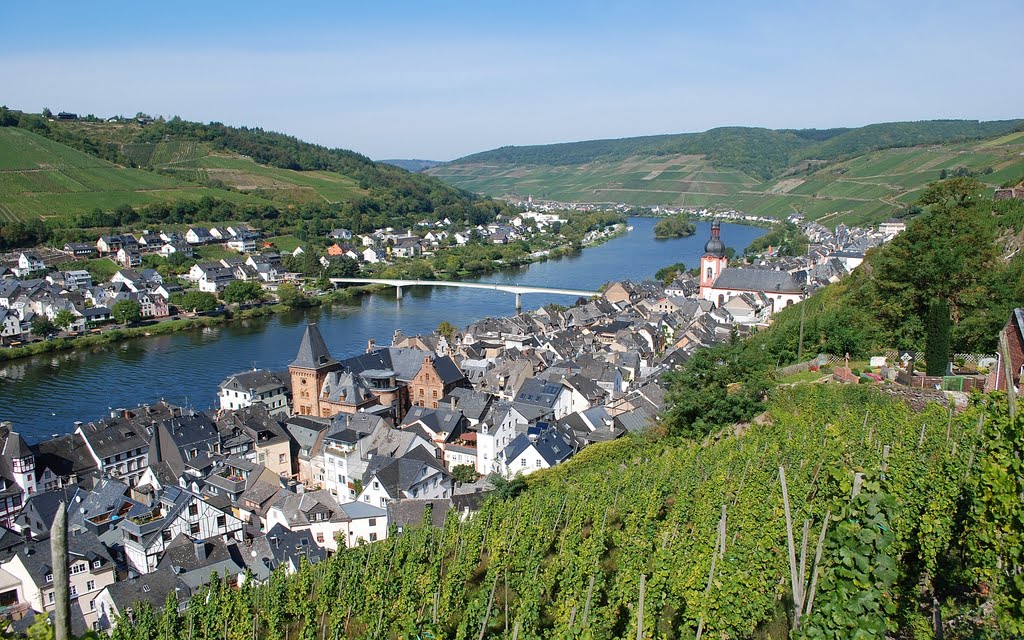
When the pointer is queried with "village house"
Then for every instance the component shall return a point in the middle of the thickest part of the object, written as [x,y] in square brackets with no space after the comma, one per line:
[178,512]
[329,523]
[90,569]
[259,385]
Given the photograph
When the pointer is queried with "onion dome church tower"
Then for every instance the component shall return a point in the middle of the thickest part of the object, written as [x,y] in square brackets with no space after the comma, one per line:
[713,262]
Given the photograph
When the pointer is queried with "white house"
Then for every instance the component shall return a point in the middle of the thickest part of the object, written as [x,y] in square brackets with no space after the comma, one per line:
[28,263]
[418,474]
[532,452]
[329,522]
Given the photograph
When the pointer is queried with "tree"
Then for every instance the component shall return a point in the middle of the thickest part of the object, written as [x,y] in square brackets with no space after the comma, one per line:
[63,319]
[291,296]
[448,330]
[241,292]
[937,325]
[464,473]
[195,301]
[47,113]
[126,311]
[666,275]
[959,190]
[41,326]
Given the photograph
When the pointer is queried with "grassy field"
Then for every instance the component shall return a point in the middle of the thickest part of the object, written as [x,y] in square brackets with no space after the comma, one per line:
[285,243]
[42,178]
[863,190]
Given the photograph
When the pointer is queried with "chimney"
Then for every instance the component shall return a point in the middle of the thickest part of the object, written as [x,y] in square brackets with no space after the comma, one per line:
[370,345]
[200,547]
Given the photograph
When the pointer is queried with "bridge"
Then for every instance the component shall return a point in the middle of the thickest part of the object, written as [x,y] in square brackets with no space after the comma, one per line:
[517,289]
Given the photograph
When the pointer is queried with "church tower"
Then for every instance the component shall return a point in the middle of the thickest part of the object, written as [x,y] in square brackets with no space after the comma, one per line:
[713,262]
[308,372]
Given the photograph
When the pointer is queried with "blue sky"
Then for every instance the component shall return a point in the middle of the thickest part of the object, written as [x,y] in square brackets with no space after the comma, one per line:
[442,79]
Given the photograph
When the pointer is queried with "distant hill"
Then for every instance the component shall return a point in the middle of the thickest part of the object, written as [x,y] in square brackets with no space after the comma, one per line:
[413,165]
[65,168]
[853,175]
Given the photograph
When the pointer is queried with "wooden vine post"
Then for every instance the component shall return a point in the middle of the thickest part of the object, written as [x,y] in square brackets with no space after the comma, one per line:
[803,593]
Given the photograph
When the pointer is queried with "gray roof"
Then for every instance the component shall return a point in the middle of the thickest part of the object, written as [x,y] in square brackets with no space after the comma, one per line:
[412,512]
[257,380]
[398,475]
[550,445]
[313,351]
[767,280]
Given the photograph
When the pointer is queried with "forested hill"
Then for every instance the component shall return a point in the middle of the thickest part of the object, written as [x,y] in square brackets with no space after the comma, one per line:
[89,164]
[857,176]
[762,153]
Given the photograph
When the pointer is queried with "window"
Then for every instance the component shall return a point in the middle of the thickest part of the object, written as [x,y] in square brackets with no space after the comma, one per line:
[376,485]
[320,537]
[194,529]
[373,537]
[92,607]
[49,577]
[79,567]
[538,464]
[522,462]
[373,522]
[193,509]
[90,585]
[49,598]
[281,458]
[434,392]
[74,590]
[222,521]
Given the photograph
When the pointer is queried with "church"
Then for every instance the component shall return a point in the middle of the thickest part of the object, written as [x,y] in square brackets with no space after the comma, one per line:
[720,283]
[395,378]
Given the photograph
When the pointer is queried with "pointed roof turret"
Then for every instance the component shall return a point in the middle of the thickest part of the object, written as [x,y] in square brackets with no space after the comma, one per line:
[313,352]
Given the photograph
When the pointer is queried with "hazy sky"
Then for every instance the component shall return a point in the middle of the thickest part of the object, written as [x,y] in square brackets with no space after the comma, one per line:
[437,80]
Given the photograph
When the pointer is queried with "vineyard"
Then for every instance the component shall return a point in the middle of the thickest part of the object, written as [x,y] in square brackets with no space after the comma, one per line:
[889,524]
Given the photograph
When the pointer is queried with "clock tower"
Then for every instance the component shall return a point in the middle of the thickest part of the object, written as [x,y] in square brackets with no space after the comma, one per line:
[713,262]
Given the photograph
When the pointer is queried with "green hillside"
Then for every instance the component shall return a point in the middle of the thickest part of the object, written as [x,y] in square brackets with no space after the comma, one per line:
[567,556]
[64,180]
[40,178]
[846,175]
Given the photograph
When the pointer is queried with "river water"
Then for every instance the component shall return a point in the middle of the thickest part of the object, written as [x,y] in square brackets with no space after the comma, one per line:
[45,395]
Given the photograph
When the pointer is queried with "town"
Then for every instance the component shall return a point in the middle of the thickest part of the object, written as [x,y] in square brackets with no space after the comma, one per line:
[341,450]
[160,275]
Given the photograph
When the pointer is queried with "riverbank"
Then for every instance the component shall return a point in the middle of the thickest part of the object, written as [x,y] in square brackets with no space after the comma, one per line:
[347,294]
[165,327]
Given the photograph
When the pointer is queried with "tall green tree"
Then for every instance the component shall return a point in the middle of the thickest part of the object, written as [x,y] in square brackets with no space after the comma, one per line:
[195,301]
[63,319]
[126,311]
[242,292]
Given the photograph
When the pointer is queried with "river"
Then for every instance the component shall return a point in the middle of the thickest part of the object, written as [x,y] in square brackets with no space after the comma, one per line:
[44,395]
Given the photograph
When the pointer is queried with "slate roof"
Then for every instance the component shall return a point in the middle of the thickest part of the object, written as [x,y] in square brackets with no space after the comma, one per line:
[258,380]
[398,475]
[550,445]
[412,512]
[299,508]
[313,351]
[346,388]
[767,280]
[65,456]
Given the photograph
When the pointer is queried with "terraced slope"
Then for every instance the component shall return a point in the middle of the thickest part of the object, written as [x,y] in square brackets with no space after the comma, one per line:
[867,187]
[43,178]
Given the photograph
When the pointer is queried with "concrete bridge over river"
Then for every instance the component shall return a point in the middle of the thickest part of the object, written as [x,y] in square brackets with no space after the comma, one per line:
[517,289]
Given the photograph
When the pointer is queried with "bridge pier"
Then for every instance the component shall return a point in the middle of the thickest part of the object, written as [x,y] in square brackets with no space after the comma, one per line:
[398,293]
[519,301]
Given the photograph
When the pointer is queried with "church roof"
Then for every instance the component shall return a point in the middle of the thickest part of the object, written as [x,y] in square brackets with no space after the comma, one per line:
[313,352]
[767,280]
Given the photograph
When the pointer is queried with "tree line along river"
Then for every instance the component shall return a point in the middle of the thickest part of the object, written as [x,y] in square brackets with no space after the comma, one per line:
[44,395]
